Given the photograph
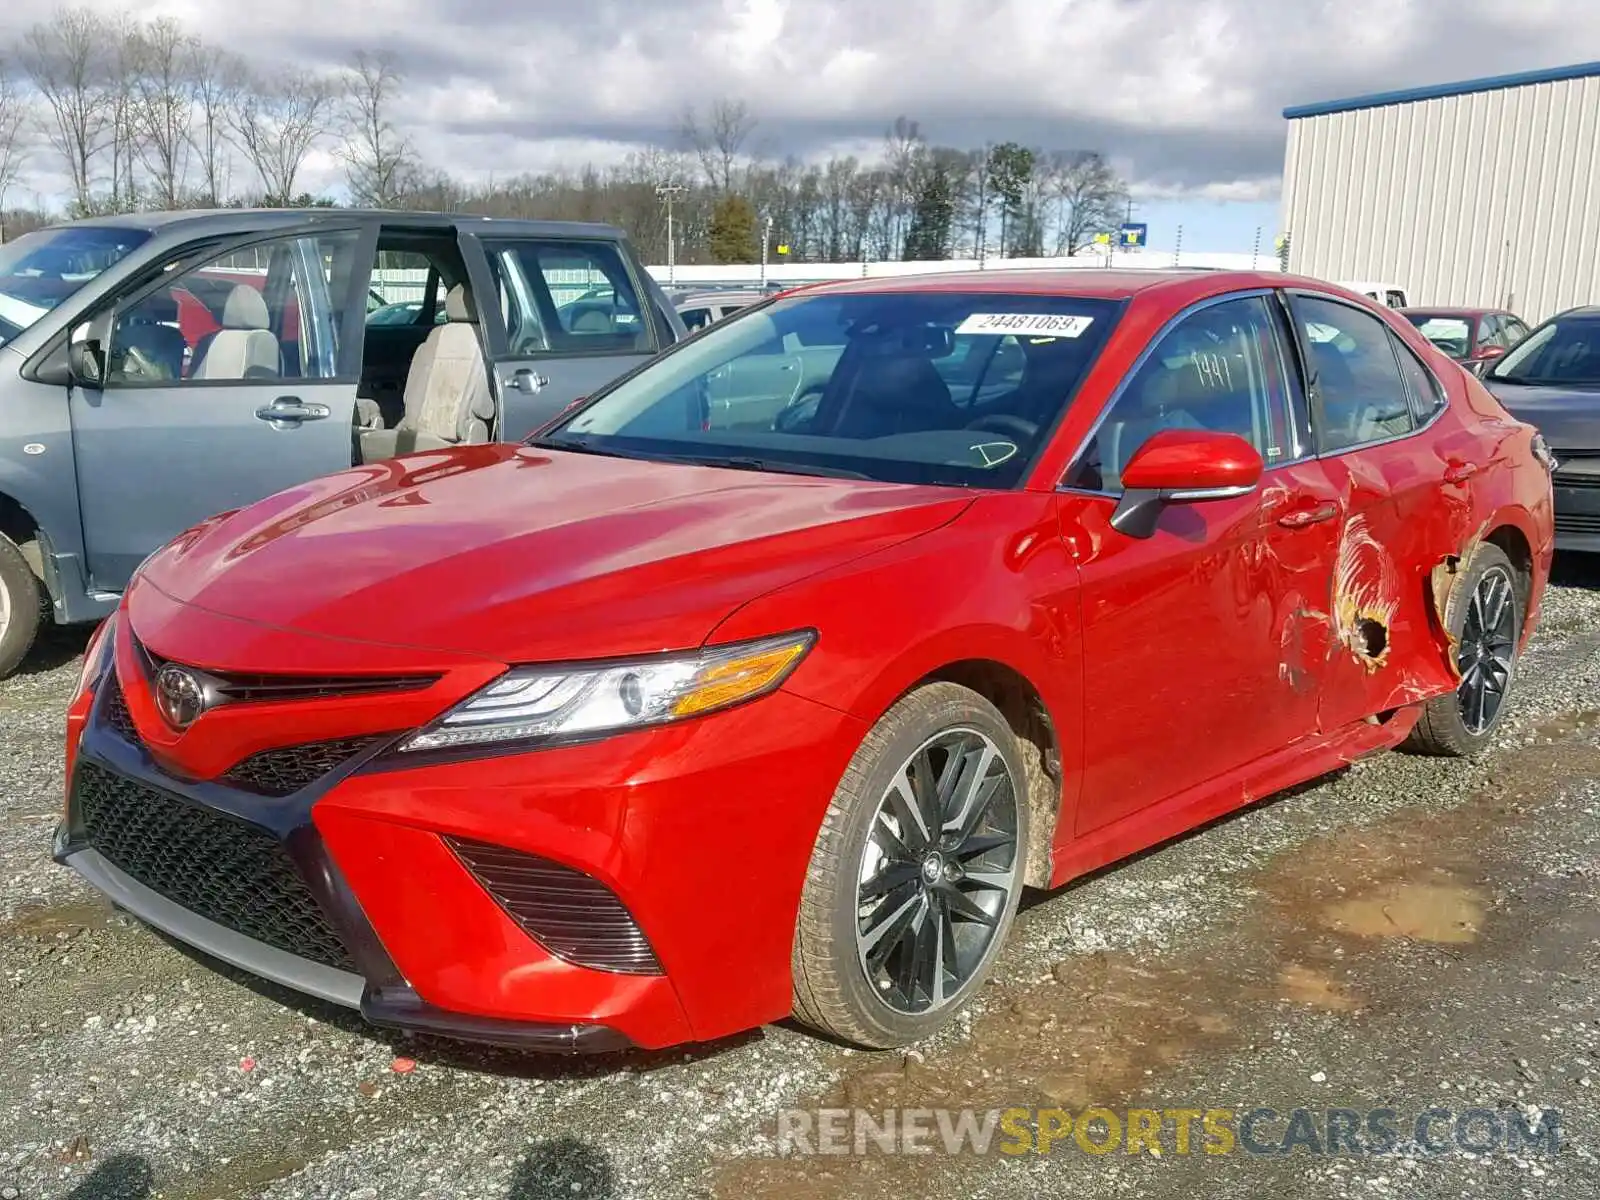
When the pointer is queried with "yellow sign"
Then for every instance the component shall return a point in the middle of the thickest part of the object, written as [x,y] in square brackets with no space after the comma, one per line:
[1102,239]
[784,249]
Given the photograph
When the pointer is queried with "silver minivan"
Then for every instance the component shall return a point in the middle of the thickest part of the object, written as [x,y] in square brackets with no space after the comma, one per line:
[156,369]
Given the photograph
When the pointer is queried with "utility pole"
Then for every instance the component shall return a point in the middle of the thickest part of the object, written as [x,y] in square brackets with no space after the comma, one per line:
[667,191]
[766,238]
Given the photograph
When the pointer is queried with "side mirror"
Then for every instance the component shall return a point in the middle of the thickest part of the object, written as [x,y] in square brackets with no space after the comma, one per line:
[1183,466]
[87,362]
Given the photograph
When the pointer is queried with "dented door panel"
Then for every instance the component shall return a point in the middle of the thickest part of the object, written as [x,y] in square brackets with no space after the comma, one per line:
[1185,636]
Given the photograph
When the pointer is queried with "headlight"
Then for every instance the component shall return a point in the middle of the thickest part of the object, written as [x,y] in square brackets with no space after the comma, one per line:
[536,704]
[96,657]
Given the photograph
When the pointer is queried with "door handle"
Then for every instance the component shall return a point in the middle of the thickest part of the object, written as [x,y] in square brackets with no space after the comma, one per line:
[1301,517]
[1460,472]
[287,411]
[528,381]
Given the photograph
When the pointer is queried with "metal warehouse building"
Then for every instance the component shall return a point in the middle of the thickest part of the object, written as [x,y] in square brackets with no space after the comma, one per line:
[1478,193]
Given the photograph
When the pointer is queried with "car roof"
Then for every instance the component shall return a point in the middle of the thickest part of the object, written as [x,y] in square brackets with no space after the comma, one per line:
[1058,281]
[201,222]
[1445,310]
[714,296]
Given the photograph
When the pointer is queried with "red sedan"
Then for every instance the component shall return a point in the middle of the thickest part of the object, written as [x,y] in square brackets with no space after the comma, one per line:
[1475,337]
[765,680]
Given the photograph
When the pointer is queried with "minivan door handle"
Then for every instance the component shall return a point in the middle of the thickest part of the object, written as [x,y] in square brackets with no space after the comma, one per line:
[528,381]
[288,411]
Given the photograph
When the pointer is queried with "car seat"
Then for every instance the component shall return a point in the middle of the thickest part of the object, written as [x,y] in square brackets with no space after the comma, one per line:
[447,397]
[244,348]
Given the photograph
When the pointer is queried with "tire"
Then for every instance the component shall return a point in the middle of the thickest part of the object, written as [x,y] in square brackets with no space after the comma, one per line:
[1453,726]
[20,607]
[875,997]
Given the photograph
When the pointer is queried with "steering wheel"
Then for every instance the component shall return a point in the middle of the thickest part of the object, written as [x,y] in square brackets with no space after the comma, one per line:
[1019,428]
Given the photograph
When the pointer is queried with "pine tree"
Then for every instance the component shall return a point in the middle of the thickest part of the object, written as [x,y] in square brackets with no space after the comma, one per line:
[732,233]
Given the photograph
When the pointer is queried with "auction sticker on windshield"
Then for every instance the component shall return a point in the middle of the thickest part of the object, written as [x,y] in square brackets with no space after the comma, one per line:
[1038,324]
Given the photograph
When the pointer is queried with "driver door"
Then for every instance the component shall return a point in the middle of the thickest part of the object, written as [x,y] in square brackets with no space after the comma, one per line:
[222,381]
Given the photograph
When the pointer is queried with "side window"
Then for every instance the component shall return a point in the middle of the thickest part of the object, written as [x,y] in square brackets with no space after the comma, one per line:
[695,318]
[1427,396]
[1395,299]
[1222,368]
[1515,331]
[1358,393]
[1490,331]
[270,311]
[562,297]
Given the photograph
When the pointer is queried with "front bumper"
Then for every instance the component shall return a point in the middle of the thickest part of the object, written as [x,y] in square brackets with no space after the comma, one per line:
[1577,504]
[702,831]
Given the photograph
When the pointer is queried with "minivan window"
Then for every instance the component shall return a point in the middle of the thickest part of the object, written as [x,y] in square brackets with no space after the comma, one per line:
[41,269]
[951,388]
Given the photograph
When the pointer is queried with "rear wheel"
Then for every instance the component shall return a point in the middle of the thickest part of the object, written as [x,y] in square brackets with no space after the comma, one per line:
[916,873]
[19,607]
[1484,615]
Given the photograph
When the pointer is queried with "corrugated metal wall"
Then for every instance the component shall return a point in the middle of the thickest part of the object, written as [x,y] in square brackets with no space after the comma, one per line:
[1491,198]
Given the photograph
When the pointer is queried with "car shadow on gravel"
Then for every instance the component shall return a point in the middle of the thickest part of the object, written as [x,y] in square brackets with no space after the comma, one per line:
[563,1167]
[57,646]
[1571,569]
[121,1177]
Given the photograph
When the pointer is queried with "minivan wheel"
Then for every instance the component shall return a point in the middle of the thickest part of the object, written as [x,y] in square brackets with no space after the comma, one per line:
[1484,616]
[19,607]
[916,873]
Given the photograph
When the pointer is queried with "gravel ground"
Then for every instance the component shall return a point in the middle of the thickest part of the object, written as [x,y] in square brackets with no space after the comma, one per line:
[1410,933]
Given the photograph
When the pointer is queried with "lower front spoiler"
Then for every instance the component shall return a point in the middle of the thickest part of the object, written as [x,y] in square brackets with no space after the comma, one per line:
[392,1007]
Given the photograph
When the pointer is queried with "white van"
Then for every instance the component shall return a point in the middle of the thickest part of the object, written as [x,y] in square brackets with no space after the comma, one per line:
[1391,294]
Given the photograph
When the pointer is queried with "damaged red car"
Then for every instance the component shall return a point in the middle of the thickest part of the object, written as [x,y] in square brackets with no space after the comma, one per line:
[765,680]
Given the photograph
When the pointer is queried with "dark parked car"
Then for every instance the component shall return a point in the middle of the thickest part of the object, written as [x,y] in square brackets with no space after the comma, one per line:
[1552,380]
[158,368]
[1474,337]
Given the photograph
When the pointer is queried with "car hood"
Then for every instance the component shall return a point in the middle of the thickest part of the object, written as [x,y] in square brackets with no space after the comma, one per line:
[1569,418]
[519,554]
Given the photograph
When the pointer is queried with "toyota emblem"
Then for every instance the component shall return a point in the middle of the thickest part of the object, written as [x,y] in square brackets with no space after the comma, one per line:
[179,696]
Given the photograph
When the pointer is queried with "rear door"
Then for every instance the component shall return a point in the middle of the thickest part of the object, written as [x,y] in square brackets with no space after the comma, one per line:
[564,317]
[1371,396]
[187,425]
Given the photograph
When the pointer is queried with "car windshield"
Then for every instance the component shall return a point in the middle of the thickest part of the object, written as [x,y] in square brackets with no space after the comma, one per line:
[1564,351]
[951,388]
[1453,335]
[41,269]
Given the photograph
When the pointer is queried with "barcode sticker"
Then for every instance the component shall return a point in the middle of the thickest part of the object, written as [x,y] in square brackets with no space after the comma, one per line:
[1032,324]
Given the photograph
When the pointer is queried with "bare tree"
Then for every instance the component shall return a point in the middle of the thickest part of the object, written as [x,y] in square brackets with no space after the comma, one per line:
[164,103]
[217,79]
[719,140]
[1090,197]
[66,61]
[13,120]
[379,161]
[123,50]
[278,124]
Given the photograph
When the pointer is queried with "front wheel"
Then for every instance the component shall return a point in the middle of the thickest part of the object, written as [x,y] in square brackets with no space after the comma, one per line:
[19,607]
[1484,616]
[916,873]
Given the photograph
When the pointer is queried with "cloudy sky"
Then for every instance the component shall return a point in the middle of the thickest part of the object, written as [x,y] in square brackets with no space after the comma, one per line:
[1185,95]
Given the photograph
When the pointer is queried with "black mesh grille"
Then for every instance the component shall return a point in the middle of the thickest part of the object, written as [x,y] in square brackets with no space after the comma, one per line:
[217,866]
[286,770]
[116,711]
[571,914]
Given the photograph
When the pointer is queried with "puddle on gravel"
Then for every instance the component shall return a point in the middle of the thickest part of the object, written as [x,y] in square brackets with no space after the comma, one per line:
[49,921]
[1103,1027]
